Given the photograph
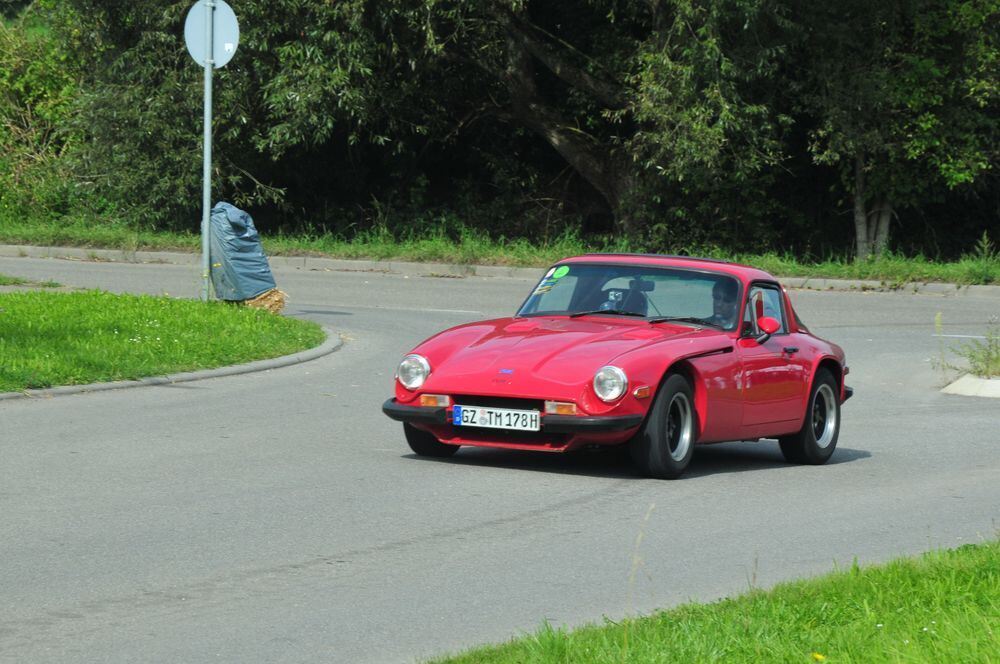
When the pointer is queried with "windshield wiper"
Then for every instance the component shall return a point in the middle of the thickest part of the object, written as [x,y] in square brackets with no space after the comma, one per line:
[685,319]
[617,312]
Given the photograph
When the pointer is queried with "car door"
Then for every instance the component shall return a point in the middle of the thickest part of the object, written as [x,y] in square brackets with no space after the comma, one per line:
[773,376]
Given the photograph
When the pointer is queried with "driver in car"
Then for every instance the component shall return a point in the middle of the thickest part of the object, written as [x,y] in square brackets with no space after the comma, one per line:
[724,304]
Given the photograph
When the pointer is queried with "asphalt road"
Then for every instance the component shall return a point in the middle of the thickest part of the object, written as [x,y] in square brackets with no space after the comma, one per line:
[280,517]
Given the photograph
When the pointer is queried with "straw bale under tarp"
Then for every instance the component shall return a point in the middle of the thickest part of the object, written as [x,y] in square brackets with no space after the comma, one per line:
[272,300]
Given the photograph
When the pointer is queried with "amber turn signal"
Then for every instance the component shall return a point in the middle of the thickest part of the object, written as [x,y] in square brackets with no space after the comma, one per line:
[560,408]
[435,400]
[641,392]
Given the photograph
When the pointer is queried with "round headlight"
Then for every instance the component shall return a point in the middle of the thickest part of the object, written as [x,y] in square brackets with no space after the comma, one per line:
[610,383]
[413,371]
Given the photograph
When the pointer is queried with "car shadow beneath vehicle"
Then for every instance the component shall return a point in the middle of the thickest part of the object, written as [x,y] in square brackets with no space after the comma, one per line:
[614,462]
[743,457]
[607,462]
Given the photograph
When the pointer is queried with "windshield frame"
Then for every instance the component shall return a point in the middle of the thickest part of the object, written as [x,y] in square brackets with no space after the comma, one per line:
[741,290]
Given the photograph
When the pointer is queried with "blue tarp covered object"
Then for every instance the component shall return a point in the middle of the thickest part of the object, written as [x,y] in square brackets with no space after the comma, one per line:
[239,266]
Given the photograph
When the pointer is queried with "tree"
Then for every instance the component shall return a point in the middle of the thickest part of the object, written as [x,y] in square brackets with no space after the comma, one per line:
[638,89]
[309,78]
[38,83]
[671,122]
[902,97]
[635,97]
[12,8]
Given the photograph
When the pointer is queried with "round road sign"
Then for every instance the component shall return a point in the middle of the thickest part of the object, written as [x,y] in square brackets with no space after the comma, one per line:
[225,32]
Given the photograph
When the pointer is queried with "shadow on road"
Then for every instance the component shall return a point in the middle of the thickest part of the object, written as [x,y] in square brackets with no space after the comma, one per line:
[610,462]
[319,312]
[745,457]
[182,386]
[614,462]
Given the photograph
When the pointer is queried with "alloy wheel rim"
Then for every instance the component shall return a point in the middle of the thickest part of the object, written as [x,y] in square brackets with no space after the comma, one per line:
[824,416]
[679,426]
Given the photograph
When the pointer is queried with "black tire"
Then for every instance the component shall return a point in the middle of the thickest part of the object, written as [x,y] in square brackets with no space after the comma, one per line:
[425,444]
[664,446]
[817,439]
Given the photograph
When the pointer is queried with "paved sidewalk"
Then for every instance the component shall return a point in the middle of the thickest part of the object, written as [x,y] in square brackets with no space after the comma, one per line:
[444,269]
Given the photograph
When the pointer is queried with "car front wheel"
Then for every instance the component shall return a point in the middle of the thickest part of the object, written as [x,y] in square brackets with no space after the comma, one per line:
[817,439]
[425,444]
[664,446]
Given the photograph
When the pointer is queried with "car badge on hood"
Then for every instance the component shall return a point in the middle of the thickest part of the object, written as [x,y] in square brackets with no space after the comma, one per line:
[507,371]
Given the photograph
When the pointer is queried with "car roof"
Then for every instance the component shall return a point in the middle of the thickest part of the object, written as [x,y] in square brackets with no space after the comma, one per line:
[743,272]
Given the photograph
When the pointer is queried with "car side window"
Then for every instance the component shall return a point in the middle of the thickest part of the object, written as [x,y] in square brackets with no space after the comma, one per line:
[763,301]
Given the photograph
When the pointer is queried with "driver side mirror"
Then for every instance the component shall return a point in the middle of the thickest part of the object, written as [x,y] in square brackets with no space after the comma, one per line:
[767,326]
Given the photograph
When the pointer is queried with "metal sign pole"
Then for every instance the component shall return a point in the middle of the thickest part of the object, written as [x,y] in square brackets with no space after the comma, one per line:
[207,170]
[200,40]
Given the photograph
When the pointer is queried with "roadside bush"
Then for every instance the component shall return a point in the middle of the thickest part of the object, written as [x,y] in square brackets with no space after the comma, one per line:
[982,265]
[983,356]
[38,85]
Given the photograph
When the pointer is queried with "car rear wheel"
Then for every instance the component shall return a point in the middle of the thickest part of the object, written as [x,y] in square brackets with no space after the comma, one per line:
[425,444]
[817,439]
[664,446]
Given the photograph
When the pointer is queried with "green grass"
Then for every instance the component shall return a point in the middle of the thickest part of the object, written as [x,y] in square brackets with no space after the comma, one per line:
[18,281]
[983,356]
[469,246]
[51,339]
[943,606]
[12,281]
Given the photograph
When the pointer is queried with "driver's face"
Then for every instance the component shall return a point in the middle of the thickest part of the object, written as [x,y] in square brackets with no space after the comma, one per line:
[724,306]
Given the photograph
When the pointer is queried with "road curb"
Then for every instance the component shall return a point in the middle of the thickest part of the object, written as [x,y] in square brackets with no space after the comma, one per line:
[291,262]
[453,270]
[866,285]
[332,344]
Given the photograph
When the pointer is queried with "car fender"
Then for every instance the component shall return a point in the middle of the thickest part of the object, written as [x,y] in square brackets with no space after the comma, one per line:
[824,359]
[655,373]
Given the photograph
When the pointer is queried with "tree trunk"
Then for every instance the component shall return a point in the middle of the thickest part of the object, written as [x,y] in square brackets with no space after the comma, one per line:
[879,230]
[863,239]
[871,226]
[593,161]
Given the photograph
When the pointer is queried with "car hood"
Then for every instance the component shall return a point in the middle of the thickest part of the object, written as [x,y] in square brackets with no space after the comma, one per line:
[538,352]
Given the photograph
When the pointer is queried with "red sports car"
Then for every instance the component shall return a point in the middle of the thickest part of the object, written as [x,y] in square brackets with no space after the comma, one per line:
[657,352]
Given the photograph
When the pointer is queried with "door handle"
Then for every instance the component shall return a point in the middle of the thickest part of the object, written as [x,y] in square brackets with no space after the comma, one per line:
[791,350]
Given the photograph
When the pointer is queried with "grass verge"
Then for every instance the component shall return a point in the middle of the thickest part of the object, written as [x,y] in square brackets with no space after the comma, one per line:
[51,339]
[983,356]
[469,246]
[11,281]
[18,281]
[943,606]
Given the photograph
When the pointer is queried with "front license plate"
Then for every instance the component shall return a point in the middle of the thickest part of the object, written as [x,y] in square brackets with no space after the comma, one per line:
[496,418]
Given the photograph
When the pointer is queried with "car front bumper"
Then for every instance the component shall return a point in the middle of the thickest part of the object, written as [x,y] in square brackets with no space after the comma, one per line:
[561,424]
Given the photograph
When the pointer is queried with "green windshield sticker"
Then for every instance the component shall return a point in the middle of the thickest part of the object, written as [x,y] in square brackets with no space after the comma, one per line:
[560,272]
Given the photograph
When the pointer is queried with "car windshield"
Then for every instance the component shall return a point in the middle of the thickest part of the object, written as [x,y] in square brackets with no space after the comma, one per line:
[657,294]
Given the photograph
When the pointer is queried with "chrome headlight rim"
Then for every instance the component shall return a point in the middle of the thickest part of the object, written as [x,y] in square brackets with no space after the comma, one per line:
[421,363]
[616,373]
